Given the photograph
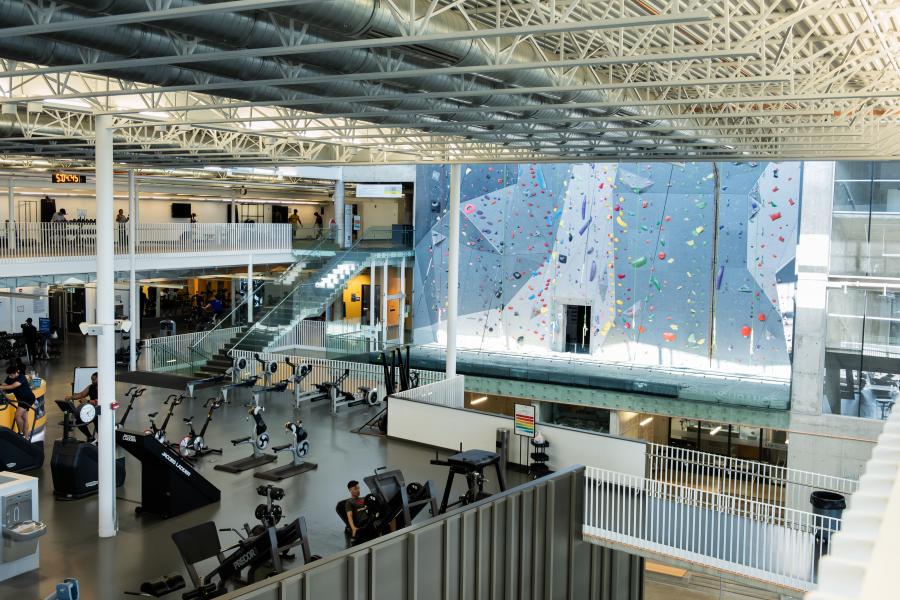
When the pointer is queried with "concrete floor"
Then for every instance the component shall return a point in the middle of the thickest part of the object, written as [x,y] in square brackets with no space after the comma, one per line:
[143,548]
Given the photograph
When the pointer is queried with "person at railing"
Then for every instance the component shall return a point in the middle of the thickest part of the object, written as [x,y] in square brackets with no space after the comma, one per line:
[320,224]
[296,223]
[59,216]
[89,392]
[121,220]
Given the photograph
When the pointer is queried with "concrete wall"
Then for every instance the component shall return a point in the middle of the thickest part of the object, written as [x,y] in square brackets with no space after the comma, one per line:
[827,444]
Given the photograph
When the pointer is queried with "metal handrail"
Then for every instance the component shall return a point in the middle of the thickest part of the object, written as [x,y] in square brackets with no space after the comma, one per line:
[251,294]
[367,236]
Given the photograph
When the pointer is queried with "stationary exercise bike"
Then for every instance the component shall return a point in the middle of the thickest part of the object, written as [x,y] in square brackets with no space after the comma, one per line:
[193,445]
[258,440]
[160,432]
[133,393]
[299,449]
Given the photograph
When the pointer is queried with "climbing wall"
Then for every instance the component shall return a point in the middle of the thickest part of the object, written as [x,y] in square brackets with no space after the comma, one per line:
[683,264]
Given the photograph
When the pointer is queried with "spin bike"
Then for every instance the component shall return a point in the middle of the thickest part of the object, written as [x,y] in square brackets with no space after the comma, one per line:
[160,432]
[193,445]
[134,393]
[258,440]
[299,449]
[260,549]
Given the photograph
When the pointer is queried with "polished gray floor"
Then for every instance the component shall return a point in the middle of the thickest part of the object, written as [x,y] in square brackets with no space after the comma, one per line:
[143,548]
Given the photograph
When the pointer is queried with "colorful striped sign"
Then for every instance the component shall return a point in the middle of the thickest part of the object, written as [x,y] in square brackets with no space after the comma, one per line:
[524,423]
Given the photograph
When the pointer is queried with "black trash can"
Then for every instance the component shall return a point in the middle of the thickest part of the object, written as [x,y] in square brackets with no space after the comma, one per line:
[827,504]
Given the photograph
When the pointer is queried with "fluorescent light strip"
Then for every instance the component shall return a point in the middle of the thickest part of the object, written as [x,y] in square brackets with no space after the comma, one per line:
[716,430]
[479,400]
[646,422]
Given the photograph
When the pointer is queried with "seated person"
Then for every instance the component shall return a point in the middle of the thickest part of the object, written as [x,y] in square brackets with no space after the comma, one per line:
[18,385]
[358,518]
[89,392]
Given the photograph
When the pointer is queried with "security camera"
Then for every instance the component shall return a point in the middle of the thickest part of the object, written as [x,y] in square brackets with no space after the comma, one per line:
[90,328]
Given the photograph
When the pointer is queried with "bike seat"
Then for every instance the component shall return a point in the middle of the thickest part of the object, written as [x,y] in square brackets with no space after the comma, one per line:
[240,440]
[153,414]
[188,420]
[281,447]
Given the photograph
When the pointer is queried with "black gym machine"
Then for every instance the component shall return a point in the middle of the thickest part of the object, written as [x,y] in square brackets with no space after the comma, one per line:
[259,552]
[73,463]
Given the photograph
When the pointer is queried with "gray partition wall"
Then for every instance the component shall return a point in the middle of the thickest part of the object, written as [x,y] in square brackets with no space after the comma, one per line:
[522,544]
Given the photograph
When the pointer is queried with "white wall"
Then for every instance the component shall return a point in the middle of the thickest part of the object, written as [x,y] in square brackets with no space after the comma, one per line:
[14,310]
[449,427]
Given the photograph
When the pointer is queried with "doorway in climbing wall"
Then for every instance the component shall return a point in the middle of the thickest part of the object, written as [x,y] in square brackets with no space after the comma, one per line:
[578,328]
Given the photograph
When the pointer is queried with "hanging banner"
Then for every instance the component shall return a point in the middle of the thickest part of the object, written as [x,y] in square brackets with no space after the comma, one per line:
[524,421]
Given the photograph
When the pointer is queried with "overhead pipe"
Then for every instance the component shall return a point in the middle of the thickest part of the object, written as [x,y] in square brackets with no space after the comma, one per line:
[122,42]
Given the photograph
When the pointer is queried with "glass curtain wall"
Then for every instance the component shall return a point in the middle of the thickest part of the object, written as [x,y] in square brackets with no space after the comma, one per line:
[862,361]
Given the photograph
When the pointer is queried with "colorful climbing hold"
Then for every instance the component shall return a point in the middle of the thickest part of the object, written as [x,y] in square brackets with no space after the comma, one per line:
[746,331]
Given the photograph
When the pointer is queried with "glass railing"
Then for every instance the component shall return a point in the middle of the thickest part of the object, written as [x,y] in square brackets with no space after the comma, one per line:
[310,297]
[392,237]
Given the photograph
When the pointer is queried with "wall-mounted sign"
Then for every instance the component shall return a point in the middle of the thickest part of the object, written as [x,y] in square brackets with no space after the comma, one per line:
[67,178]
[379,190]
[524,421]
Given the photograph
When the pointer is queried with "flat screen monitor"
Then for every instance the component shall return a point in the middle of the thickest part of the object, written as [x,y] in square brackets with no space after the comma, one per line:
[181,210]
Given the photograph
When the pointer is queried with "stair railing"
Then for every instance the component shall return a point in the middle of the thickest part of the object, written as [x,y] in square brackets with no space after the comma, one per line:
[374,239]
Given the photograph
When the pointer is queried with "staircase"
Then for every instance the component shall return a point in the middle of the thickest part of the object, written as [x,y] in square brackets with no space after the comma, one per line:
[304,290]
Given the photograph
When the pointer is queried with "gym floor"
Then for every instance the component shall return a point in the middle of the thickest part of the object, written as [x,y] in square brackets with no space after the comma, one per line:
[143,549]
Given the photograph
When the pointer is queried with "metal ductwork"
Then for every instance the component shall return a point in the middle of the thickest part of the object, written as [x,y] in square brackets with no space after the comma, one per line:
[329,21]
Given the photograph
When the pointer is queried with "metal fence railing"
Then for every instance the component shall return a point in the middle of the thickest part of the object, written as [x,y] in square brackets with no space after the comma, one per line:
[448,392]
[313,334]
[361,374]
[778,545]
[860,565]
[780,486]
[181,352]
[79,238]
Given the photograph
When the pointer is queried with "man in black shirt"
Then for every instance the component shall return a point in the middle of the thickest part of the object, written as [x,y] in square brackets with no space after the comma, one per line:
[357,515]
[21,389]
[30,336]
[320,224]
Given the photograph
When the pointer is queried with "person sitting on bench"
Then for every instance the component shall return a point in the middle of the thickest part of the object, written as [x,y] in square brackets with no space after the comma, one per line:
[21,389]
[358,518]
[89,392]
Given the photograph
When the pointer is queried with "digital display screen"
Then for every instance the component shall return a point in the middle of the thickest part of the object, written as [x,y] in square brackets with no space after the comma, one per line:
[68,178]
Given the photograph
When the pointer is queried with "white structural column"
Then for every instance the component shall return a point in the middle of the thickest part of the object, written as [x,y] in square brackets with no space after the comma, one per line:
[106,350]
[372,298]
[11,223]
[384,301]
[453,267]
[339,211]
[401,319]
[133,299]
[250,290]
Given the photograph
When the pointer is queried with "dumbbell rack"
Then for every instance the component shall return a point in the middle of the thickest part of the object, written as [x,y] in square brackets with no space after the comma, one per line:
[539,458]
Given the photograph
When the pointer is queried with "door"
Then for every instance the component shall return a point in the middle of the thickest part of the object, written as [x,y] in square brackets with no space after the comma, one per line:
[366,292]
[578,329]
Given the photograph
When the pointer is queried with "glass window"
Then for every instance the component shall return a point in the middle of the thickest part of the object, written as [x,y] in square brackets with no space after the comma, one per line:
[862,371]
